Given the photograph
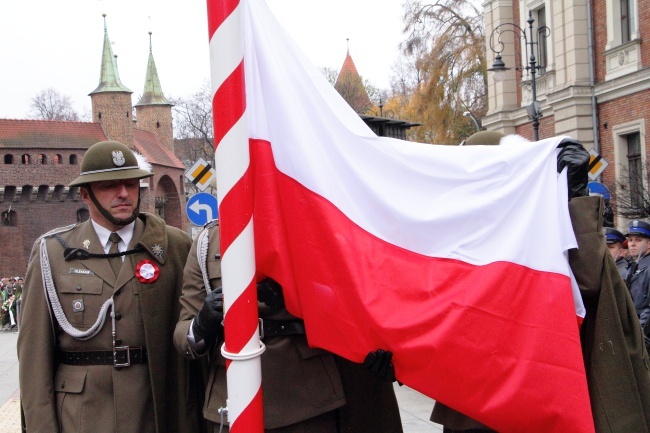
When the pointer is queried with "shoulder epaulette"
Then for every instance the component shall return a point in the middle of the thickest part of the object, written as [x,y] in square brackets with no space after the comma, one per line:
[57,231]
[212,223]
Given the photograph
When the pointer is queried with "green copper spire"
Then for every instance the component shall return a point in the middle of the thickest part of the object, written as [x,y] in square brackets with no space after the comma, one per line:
[109,78]
[152,94]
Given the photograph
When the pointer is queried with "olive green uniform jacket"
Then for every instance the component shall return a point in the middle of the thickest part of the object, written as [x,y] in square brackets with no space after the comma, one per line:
[152,397]
[616,361]
[298,382]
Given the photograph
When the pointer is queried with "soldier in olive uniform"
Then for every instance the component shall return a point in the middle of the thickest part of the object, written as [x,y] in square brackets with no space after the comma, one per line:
[98,314]
[304,389]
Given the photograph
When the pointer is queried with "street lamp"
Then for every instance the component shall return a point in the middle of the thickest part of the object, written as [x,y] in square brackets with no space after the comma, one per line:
[499,67]
[471,116]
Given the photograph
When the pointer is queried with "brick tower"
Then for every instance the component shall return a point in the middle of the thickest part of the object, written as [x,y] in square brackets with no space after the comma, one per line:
[153,110]
[111,100]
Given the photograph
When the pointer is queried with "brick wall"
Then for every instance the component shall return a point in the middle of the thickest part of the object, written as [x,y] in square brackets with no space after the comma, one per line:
[157,119]
[113,110]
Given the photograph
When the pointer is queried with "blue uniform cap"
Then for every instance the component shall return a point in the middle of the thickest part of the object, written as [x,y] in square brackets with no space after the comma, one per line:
[612,235]
[638,227]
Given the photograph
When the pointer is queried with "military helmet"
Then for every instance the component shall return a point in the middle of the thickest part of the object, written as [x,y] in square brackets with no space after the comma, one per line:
[109,160]
[483,138]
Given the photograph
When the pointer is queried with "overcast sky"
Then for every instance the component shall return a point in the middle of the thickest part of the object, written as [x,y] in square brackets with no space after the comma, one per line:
[58,44]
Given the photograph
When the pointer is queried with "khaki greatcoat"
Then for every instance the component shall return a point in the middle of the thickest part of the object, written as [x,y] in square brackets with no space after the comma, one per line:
[616,361]
[153,397]
[298,382]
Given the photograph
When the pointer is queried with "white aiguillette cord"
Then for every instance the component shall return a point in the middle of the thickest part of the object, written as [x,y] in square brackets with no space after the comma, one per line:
[48,284]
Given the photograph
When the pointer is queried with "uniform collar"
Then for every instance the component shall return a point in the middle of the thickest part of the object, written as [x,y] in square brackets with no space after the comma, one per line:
[126,233]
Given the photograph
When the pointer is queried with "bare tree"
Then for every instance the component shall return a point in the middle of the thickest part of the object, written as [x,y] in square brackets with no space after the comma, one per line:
[193,128]
[49,104]
[632,197]
[330,74]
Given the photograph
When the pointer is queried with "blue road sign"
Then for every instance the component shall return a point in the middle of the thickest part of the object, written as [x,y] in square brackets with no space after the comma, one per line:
[599,188]
[201,208]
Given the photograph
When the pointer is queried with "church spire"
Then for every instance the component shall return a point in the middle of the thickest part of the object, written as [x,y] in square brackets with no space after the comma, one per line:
[152,94]
[109,78]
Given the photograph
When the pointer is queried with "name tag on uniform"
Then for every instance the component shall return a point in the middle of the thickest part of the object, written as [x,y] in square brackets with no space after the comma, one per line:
[81,271]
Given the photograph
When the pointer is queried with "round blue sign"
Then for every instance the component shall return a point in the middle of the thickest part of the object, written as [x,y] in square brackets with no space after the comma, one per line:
[202,208]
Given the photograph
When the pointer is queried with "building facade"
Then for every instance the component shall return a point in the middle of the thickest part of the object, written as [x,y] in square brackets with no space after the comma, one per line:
[593,84]
[40,158]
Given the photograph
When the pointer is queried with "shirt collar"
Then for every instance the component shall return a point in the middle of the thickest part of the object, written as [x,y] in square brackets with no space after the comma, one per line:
[126,233]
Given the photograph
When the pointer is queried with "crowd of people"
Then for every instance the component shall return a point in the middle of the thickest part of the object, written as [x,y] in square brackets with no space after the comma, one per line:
[106,346]
[11,289]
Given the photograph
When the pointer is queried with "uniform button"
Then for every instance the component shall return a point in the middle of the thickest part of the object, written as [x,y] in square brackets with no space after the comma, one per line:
[118,342]
[78,288]
[118,316]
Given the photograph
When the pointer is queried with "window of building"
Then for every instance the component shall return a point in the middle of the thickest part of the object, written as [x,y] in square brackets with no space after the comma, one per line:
[9,218]
[9,159]
[41,159]
[635,168]
[625,21]
[622,22]
[26,159]
[542,39]
[58,159]
[73,159]
[82,215]
[630,166]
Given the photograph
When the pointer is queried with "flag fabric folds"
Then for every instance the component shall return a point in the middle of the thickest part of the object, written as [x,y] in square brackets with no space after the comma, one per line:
[453,258]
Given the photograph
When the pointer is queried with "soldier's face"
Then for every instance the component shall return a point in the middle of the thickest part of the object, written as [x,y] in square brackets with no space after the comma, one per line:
[615,250]
[119,197]
[638,245]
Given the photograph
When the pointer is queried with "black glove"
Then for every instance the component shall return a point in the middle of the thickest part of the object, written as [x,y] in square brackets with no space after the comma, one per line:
[379,363]
[207,323]
[574,156]
[270,293]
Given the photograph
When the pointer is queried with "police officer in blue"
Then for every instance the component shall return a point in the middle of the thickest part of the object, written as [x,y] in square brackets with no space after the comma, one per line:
[638,276]
[615,240]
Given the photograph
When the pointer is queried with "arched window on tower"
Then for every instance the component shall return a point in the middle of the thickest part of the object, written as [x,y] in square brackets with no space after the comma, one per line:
[9,159]
[26,159]
[41,159]
[58,159]
[73,159]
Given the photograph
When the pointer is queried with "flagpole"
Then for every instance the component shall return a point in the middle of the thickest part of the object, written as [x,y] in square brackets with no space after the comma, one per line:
[242,347]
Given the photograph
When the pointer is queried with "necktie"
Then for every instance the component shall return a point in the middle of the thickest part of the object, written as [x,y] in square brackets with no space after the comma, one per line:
[116,262]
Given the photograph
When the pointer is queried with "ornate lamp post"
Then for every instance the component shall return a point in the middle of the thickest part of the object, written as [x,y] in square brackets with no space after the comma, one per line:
[499,67]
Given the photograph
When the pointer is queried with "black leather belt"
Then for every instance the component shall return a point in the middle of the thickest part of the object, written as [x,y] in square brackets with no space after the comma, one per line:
[122,356]
[274,328]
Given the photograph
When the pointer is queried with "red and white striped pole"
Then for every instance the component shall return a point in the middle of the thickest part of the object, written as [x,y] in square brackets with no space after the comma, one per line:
[242,348]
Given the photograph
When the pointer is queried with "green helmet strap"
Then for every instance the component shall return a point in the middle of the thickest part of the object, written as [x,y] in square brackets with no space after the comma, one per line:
[107,214]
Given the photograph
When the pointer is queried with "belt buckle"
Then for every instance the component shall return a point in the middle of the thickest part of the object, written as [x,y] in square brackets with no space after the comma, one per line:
[118,349]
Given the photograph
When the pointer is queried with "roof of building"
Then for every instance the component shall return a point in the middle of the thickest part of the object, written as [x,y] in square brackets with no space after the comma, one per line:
[30,134]
[56,134]
[152,94]
[109,77]
[348,67]
[148,145]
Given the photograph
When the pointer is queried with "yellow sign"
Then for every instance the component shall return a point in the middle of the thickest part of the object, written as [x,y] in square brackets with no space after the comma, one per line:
[200,174]
[597,164]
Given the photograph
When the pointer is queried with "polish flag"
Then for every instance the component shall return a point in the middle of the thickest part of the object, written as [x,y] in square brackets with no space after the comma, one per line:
[453,258]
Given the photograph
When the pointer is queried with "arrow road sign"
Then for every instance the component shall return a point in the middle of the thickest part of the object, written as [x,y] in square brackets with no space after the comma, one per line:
[201,208]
